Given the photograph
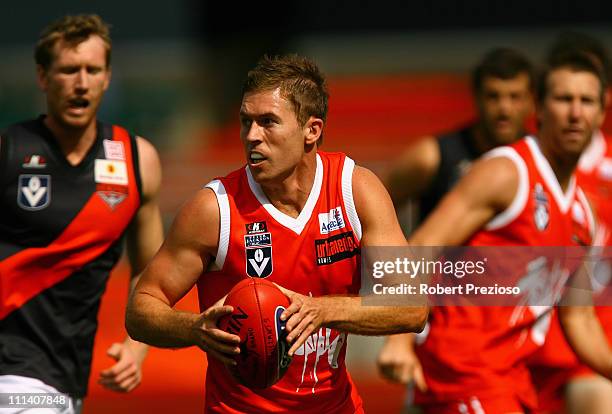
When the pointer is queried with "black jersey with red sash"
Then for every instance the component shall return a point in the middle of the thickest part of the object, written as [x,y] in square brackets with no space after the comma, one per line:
[60,235]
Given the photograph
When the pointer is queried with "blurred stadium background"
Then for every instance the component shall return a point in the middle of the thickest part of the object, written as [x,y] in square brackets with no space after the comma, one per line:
[396,71]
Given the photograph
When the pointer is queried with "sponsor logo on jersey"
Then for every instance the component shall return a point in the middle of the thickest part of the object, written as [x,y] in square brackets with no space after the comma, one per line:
[112,195]
[113,150]
[257,227]
[331,221]
[335,248]
[111,172]
[541,215]
[34,191]
[258,254]
[34,161]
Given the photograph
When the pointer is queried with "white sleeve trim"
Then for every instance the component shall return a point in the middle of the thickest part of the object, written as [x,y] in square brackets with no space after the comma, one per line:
[520,198]
[224,222]
[347,195]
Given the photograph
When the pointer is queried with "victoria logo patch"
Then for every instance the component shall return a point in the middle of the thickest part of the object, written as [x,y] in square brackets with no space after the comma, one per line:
[541,214]
[258,254]
[34,191]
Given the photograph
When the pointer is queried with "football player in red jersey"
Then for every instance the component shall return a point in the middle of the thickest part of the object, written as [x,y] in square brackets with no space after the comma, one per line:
[295,215]
[564,384]
[470,368]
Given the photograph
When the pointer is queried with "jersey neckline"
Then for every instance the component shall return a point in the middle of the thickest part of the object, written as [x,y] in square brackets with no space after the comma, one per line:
[294,224]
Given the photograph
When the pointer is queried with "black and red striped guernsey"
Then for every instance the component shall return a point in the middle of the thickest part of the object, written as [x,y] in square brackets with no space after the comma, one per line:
[61,229]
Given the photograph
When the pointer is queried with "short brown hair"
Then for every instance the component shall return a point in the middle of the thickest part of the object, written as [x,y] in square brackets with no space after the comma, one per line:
[300,82]
[576,61]
[501,63]
[72,30]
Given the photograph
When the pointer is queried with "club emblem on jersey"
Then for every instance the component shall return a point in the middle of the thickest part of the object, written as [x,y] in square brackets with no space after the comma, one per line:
[34,191]
[34,161]
[258,254]
[541,215]
[112,195]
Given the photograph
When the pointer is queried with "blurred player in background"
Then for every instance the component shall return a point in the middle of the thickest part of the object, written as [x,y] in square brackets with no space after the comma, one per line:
[295,215]
[556,371]
[473,358]
[70,188]
[502,86]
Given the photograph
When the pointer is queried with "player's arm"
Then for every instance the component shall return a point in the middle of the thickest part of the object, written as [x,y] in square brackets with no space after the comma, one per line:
[379,228]
[581,325]
[587,338]
[185,254]
[412,173]
[485,191]
[144,236]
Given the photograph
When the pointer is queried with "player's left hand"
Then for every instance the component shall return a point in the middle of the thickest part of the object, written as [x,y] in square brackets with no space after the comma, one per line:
[126,374]
[304,317]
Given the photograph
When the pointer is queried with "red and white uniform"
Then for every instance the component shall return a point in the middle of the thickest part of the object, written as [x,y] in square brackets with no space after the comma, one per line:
[317,253]
[473,356]
[555,363]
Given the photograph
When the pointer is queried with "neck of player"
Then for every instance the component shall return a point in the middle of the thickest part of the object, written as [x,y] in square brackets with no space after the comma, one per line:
[290,192]
[562,165]
[74,141]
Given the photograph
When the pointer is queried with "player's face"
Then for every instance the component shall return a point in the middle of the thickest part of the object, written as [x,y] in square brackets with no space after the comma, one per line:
[75,82]
[570,112]
[272,137]
[503,106]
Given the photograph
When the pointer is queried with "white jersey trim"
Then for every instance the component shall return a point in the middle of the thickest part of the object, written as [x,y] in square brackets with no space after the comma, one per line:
[294,224]
[347,195]
[564,200]
[593,154]
[590,216]
[520,198]
[224,223]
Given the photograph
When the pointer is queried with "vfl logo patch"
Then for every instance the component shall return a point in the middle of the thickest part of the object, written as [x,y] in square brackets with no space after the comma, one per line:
[33,191]
[258,254]
[331,221]
[335,248]
[541,215]
[257,227]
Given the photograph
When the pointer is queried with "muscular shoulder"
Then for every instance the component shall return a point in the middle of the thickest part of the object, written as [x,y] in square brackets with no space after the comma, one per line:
[197,223]
[493,180]
[150,168]
[375,210]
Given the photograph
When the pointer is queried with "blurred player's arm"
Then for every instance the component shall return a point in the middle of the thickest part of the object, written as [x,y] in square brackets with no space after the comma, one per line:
[485,191]
[581,325]
[398,362]
[379,228]
[412,173]
[191,243]
[144,236]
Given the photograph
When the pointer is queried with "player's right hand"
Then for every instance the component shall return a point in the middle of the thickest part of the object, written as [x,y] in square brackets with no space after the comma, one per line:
[214,341]
[398,362]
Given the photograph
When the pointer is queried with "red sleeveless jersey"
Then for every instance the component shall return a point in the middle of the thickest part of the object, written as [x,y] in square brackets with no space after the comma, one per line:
[555,363]
[317,253]
[479,351]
